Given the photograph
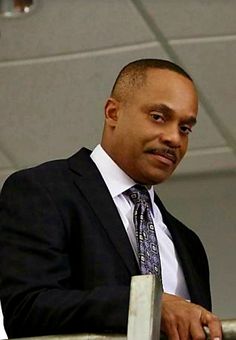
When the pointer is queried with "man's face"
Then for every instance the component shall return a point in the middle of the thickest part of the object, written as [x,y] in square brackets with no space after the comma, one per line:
[150,129]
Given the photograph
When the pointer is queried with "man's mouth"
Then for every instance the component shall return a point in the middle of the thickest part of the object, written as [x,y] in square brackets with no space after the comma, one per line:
[167,153]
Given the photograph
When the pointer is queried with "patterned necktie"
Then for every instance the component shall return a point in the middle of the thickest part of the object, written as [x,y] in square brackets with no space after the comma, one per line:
[148,251]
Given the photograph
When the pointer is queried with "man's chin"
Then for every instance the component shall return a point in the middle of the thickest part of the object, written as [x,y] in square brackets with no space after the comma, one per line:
[155,178]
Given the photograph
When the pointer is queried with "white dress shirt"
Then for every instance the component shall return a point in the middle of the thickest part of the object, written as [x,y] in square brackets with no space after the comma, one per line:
[117,182]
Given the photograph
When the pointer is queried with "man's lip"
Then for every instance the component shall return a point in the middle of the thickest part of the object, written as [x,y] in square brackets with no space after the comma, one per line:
[167,155]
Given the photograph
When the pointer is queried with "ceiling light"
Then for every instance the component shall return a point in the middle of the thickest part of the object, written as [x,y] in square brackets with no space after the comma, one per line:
[16,8]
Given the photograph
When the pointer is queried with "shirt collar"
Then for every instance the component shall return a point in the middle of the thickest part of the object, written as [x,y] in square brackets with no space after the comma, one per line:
[115,178]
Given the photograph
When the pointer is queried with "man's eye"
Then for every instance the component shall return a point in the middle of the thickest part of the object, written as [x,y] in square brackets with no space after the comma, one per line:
[157,117]
[185,129]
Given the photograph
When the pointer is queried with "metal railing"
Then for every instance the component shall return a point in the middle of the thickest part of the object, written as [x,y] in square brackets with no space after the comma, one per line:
[144,316]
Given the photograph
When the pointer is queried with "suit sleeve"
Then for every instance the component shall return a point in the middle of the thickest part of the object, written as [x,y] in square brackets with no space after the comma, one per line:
[35,288]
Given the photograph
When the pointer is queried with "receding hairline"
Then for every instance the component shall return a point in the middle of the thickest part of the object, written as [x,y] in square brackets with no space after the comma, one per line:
[133,75]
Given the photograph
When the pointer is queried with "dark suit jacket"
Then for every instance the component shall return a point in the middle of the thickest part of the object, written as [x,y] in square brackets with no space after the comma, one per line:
[66,261]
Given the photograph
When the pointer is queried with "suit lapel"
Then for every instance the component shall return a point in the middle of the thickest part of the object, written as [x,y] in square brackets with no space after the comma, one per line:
[191,277]
[93,188]
[180,240]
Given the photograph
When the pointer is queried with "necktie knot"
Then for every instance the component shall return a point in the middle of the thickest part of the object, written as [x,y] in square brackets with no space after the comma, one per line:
[139,194]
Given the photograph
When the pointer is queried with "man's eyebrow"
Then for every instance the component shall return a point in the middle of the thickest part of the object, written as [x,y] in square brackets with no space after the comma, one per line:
[169,111]
[162,108]
[191,120]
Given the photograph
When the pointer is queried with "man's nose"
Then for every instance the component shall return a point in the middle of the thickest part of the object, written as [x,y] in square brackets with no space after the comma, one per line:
[171,136]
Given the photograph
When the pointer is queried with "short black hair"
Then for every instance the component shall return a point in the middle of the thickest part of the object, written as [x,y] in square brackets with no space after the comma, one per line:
[134,74]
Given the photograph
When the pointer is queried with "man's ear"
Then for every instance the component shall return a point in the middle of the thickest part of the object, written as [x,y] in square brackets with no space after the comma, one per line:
[111,111]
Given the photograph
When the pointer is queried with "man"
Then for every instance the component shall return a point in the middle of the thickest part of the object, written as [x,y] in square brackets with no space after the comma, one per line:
[68,238]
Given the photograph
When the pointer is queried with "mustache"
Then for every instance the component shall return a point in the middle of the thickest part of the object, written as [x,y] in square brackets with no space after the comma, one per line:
[165,152]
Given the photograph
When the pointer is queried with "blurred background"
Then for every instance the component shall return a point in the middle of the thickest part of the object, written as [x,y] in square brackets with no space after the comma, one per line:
[58,63]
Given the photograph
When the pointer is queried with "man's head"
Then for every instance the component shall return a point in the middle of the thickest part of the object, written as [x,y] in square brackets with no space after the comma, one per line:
[151,110]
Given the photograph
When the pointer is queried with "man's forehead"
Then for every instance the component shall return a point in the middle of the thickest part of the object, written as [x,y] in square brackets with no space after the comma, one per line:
[163,73]
[165,79]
